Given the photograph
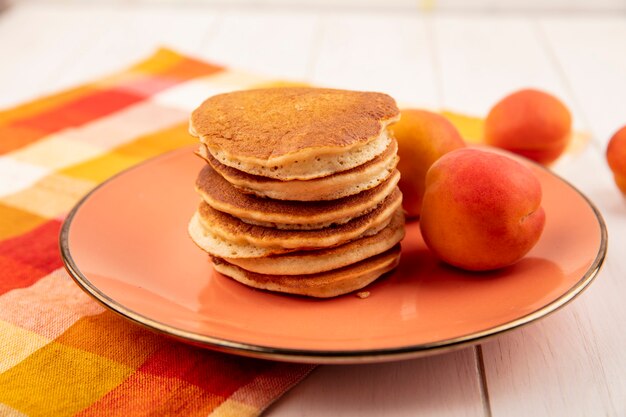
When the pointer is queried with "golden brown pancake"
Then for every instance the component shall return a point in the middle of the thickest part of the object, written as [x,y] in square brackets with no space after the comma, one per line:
[332,187]
[234,230]
[218,246]
[314,261]
[294,133]
[222,196]
[324,284]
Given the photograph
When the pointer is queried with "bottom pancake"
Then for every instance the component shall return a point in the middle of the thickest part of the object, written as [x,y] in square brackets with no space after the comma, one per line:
[321,285]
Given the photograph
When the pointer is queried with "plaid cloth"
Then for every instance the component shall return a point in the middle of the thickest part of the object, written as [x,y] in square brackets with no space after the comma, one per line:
[61,353]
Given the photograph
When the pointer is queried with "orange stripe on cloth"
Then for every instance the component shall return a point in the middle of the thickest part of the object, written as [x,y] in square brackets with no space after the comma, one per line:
[80,111]
[133,344]
[26,258]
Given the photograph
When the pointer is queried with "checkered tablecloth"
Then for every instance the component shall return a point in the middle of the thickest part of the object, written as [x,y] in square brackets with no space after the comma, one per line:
[61,353]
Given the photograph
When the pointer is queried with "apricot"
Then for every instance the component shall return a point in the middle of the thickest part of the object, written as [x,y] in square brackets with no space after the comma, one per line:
[616,157]
[531,123]
[481,210]
[422,137]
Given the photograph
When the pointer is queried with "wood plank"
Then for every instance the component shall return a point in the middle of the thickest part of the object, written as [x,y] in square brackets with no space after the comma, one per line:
[432,386]
[74,44]
[591,53]
[125,35]
[380,52]
[484,58]
[30,56]
[558,365]
[275,44]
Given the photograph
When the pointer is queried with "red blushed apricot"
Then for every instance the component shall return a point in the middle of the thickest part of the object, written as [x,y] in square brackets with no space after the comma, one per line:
[616,157]
[422,137]
[481,211]
[530,123]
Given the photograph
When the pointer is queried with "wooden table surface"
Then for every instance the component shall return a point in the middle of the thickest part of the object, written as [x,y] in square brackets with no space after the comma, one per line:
[572,363]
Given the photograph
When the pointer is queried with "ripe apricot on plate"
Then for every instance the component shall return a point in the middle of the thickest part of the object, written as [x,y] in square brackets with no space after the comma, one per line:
[481,211]
[423,137]
[616,157]
[531,123]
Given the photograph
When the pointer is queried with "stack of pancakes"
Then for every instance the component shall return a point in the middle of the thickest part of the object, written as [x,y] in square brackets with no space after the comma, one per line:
[300,193]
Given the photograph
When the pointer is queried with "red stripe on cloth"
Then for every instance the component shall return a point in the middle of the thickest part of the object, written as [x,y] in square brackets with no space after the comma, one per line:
[215,372]
[30,256]
[144,394]
[17,275]
[81,111]
[72,114]
[99,103]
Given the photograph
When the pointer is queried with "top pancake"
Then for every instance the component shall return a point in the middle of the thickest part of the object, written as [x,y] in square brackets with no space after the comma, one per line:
[273,128]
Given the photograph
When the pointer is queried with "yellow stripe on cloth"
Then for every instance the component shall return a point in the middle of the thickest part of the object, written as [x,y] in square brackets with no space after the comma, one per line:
[470,127]
[101,168]
[132,346]
[51,197]
[58,380]
[17,344]
[16,221]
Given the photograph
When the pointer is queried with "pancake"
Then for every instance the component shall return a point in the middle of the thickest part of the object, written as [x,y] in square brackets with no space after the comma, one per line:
[322,285]
[332,187]
[305,168]
[314,261]
[294,133]
[216,245]
[234,230]
[222,196]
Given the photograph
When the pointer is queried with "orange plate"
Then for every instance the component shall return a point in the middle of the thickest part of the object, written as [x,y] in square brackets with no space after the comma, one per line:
[126,244]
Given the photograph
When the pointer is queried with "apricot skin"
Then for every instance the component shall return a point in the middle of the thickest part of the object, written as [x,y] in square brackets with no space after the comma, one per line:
[531,123]
[481,211]
[616,157]
[422,137]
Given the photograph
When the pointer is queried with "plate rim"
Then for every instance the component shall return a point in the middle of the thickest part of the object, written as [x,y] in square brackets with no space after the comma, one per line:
[320,356]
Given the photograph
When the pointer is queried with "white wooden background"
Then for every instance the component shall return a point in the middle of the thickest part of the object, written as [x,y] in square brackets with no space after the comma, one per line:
[572,363]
